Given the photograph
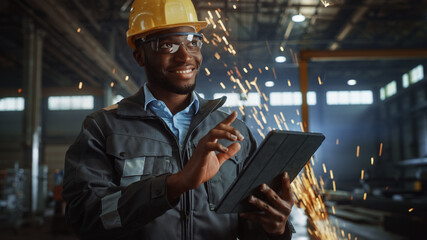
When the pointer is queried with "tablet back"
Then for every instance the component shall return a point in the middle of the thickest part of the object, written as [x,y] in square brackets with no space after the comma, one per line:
[280,151]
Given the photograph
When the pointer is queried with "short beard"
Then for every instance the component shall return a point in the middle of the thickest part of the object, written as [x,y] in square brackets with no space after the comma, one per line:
[187,89]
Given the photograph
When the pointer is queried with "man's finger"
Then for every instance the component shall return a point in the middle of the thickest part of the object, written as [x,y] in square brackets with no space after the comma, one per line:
[210,146]
[286,188]
[228,120]
[232,150]
[266,208]
[216,134]
[280,204]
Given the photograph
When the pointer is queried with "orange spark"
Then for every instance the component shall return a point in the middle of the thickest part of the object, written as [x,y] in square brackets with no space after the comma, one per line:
[207,72]
[217,13]
[260,133]
[238,72]
[320,81]
[80,85]
[225,40]
[381,149]
[263,117]
[248,84]
[210,14]
[265,97]
[277,121]
[362,174]
[266,107]
[372,160]
[357,151]
[217,56]
[411,209]
[364,196]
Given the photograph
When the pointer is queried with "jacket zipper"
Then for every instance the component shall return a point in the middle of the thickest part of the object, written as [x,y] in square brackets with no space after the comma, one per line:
[187,196]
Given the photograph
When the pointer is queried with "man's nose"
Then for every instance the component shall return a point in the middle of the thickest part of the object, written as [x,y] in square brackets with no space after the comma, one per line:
[182,55]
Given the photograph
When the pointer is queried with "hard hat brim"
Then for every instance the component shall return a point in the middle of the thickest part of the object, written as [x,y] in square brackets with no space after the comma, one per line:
[199,25]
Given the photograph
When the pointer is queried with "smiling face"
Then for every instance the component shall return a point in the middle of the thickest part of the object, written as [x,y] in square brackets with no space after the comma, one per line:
[170,72]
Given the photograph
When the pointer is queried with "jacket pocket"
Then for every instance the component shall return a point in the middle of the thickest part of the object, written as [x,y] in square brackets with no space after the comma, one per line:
[218,185]
[138,158]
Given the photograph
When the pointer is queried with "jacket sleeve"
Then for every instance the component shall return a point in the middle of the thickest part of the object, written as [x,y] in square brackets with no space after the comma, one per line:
[97,206]
[249,230]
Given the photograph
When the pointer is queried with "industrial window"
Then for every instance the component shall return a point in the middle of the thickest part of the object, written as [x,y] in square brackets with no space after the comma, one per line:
[84,102]
[233,99]
[349,97]
[390,89]
[416,74]
[12,104]
[291,98]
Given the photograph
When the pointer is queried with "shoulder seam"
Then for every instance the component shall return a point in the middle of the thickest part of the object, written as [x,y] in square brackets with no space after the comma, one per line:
[111,107]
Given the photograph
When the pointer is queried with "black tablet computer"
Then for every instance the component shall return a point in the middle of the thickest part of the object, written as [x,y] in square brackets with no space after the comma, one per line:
[280,151]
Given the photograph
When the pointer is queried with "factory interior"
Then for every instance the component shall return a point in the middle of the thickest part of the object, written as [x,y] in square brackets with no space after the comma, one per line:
[353,70]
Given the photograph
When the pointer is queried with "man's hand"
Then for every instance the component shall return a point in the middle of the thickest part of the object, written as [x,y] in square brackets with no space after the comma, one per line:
[205,162]
[276,211]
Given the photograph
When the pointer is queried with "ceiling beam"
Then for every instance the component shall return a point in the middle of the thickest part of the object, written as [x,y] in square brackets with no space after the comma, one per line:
[348,55]
[87,15]
[56,91]
[67,25]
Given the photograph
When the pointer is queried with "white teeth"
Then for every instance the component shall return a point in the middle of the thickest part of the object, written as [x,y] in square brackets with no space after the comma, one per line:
[186,71]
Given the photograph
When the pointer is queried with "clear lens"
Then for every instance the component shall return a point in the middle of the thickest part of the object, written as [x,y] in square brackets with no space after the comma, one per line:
[171,44]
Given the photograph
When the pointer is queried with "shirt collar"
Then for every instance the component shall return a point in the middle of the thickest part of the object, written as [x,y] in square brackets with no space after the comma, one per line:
[150,98]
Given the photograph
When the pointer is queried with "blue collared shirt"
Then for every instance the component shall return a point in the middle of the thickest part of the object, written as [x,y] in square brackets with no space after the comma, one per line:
[178,123]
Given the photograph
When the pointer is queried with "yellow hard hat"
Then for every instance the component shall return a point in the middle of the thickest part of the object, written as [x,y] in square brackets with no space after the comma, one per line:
[148,16]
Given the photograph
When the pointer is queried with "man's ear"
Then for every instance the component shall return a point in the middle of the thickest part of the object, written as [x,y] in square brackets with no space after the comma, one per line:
[138,54]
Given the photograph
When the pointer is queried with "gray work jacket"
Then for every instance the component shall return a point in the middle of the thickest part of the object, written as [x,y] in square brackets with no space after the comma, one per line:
[116,170]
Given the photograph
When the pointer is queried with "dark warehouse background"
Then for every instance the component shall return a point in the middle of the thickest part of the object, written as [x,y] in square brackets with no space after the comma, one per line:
[362,63]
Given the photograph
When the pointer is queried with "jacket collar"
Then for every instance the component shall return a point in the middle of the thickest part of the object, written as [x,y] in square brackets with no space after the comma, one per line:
[133,106]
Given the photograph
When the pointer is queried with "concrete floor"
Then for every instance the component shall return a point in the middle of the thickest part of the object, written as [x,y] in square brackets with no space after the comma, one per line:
[55,229]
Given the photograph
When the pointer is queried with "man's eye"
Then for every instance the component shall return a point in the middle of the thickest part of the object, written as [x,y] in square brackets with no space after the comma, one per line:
[194,43]
[166,45]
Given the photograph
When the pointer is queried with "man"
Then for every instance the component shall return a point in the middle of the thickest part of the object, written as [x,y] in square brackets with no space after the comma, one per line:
[155,165]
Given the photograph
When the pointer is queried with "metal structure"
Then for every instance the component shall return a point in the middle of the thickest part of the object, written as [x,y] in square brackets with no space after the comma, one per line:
[79,34]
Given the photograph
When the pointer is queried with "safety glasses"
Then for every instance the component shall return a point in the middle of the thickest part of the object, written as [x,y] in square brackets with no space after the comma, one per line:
[170,43]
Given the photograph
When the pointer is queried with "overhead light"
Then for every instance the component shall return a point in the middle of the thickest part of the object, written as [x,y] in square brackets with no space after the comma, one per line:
[280,59]
[298,18]
[351,82]
[269,84]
